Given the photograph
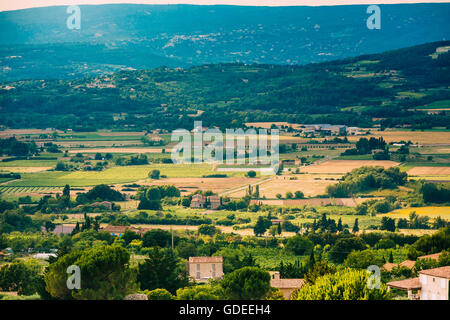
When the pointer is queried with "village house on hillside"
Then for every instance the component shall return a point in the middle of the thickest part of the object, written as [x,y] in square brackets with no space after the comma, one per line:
[201,269]
[210,202]
[432,284]
[286,286]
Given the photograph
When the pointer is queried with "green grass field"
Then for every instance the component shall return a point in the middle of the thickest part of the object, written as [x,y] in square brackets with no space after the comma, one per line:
[8,190]
[356,157]
[113,175]
[29,163]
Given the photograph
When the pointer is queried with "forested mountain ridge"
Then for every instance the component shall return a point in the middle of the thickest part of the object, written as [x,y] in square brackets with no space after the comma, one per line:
[351,91]
[36,43]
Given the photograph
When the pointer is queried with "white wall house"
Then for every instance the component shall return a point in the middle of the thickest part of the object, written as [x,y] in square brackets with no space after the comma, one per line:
[201,269]
[435,283]
[432,284]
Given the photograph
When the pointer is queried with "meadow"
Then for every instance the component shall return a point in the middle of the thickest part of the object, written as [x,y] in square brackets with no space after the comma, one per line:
[114,175]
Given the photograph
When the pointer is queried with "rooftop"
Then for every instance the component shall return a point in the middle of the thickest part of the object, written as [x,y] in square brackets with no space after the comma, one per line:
[389,266]
[442,272]
[205,259]
[407,284]
[408,264]
[434,256]
[287,283]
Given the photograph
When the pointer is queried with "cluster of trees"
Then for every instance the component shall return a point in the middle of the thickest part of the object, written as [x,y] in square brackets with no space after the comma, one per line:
[262,224]
[150,197]
[100,192]
[435,192]
[367,178]
[365,146]
[13,147]
[373,207]
[143,217]
[328,224]
[429,244]
[140,159]
[347,284]
[13,218]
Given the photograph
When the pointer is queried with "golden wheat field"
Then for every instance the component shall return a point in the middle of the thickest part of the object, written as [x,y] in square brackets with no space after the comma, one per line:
[431,211]
[218,185]
[344,166]
[308,184]
[424,171]
[426,137]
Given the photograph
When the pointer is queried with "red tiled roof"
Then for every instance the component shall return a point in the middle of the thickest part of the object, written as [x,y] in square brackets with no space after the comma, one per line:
[205,259]
[434,256]
[287,283]
[115,228]
[406,284]
[442,272]
[408,264]
[389,266]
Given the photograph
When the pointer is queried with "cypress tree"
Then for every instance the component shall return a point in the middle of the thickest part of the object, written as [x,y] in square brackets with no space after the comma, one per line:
[355,226]
[339,225]
[391,257]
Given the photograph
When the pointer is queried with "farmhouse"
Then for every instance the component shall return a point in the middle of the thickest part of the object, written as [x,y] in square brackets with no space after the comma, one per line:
[210,202]
[325,129]
[214,202]
[120,230]
[286,286]
[201,269]
[64,229]
[198,201]
[432,284]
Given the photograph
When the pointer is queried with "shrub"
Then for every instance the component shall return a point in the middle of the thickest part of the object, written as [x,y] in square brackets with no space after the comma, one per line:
[347,284]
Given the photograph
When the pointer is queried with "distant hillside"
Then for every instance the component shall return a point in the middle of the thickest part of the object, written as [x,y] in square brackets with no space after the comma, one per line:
[36,44]
[352,91]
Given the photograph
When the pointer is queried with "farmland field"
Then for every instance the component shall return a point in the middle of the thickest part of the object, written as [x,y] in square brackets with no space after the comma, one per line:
[429,171]
[344,166]
[432,212]
[308,184]
[25,169]
[421,137]
[28,163]
[119,150]
[113,175]
[97,144]
[27,190]
[217,185]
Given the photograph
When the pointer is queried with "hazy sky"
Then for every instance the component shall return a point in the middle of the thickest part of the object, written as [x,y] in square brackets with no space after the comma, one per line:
[21,4]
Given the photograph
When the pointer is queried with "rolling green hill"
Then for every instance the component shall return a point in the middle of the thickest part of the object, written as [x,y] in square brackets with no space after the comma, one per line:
[350,91]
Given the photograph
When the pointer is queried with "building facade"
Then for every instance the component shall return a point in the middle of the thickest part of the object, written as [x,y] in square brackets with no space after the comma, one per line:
[432,284]
[201,269]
